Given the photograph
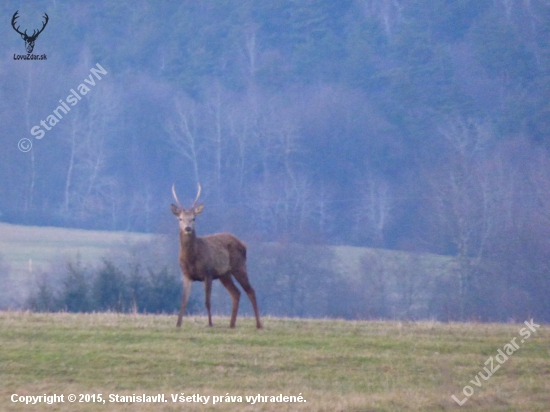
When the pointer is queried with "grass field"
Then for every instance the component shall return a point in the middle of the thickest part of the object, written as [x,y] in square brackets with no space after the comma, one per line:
[335,365]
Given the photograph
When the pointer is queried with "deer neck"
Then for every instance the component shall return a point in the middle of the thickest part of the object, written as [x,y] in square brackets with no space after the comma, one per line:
[188,244]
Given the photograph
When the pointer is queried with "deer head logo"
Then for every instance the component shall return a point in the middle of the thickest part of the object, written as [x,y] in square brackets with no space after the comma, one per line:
[29,40]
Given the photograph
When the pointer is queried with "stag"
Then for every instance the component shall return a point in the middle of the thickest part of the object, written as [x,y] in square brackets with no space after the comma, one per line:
[29,40]
[206,258]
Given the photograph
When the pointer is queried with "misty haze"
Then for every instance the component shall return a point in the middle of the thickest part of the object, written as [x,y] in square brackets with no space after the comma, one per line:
[381,159]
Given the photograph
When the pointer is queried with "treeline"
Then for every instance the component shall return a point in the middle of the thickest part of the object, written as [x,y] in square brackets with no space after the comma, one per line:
[107,288]
[292,280]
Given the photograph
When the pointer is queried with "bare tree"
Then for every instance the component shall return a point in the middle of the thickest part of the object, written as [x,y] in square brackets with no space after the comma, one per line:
[242,130]
[374,211]
[87,187]
[183,131]
[216,110]
[28,100]
[469,195]
[387,12]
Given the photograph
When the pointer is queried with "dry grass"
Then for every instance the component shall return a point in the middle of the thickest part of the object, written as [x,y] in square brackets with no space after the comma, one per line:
[336,365]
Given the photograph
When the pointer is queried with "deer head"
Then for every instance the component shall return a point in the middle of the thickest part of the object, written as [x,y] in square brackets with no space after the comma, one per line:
[29,40]
[186,217]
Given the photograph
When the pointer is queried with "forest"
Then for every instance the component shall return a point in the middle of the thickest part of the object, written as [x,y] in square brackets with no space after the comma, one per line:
[406,125]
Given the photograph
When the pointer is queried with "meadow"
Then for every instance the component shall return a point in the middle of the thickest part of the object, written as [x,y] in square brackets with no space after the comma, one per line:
[334,365]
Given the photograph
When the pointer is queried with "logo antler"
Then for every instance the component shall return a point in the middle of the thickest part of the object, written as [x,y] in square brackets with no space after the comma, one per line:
[29,40]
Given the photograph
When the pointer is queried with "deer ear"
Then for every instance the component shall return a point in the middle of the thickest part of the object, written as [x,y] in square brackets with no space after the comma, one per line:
[175,209]
[198,209]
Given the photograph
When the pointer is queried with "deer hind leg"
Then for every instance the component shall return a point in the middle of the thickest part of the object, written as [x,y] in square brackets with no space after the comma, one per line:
[242,278]
[207,294]
[184,298]
[227,282]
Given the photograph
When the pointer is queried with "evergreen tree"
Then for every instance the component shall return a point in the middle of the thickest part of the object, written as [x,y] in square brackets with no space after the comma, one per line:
[75,294]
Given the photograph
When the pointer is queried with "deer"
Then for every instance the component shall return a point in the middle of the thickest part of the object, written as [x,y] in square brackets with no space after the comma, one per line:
[207,258]
[29,40]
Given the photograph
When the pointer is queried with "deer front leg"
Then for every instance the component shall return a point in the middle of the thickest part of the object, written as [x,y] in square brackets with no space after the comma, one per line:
[207,293]
[184,298]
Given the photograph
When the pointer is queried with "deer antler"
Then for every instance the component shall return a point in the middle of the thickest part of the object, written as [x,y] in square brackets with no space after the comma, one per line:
[15,16]
[42,29]
[176,197]
[197,198]
[174,193]
[34,33]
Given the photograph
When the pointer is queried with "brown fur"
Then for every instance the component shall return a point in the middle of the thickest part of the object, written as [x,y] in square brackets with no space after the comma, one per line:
[206,258]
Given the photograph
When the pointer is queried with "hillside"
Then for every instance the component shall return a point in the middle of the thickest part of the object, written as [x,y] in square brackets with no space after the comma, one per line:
[356,276]
[31,250]
[28,248]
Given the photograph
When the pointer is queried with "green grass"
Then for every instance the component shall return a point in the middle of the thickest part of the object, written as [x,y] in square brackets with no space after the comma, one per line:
[336,365]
